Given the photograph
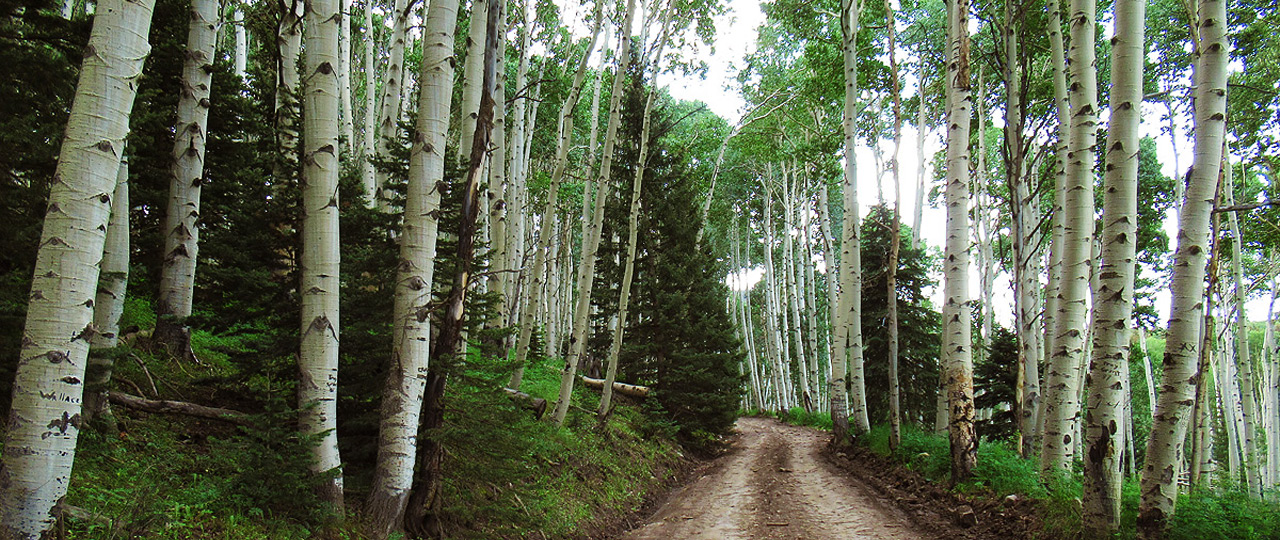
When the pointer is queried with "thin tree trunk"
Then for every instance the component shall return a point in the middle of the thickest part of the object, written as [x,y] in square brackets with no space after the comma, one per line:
[496,200]
[535,300]
[348,126]
[810,297]
[793,291]
[471,74]
[1252,471]
[181,225]
[1058,63]
[389,113]
[240,58]
[1159,487]
[368,176]
[108,303]
[318,357]
[1062,407]
[849,326]
[895,239]
[1113,300]
[921,162]
[956,311]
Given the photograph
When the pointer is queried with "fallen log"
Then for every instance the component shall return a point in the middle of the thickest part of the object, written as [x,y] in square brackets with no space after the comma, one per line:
[631,390]
[528,402]
[161,406]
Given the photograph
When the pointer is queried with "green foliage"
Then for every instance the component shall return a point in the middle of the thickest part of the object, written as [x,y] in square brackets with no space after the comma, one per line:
[818,419]
[995,380]
[1230,515]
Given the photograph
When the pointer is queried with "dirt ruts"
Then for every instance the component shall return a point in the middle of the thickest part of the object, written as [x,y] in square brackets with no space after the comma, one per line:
[776,484]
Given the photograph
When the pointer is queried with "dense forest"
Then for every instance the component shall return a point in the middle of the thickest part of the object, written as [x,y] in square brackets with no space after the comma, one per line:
[358,269]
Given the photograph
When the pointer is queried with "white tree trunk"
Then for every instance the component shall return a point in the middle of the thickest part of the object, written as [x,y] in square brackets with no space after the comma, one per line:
[849,333]
[1058,63]
[108,303]
[1182,348]
[181,225]
[921,163]
[1113,299]
[472,71]
[392,81]
[1252,470]
[406,379]
[44,422]
[535,299]
[1061,406]
[368,148]
[318,358]
[348,133]
[793,288]
[240,58]
[957,340]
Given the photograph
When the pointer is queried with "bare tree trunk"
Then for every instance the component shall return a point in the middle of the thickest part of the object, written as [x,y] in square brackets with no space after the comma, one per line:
[318,358]
[240,58]
[392,82]
[793,289]
[921,162]
[1113,300]
[1159,487]
[895,239]
[348,126]
[849,333]
[369,177]
[1058,64]
[471,74]
[1252,470]
[956,311]
[1062,407]
[181,226]
[108,303]
[534,302]
[411,335]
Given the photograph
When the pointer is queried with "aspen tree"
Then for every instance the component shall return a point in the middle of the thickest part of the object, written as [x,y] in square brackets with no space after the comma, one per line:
[497,199]
[921,162]
[1113,299]
[392,92]
[423,514]
[472,69]
[44,421]
[534,302]
[240,54]
[318,358]
[1252,471]
[1062,108]
[347,113]
[895,238]
[108,303]
[1169,425]
[792,288]
[407,377]
[288,84]
[956,340]
[591,239]
[368,176]
[810,297]
[182,214]
[1024,218]
[1062,386]
[849,326]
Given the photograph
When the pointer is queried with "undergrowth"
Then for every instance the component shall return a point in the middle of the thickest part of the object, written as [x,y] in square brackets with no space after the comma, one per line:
[508,475]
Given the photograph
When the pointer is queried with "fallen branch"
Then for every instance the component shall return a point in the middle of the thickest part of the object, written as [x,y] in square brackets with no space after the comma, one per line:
[625,389]
[528,402]
[161,406]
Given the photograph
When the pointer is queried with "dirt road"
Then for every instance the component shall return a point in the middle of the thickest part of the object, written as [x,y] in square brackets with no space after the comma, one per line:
[775,485]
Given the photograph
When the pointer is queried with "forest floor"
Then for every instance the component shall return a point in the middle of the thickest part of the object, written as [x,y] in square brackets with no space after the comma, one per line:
[776,483]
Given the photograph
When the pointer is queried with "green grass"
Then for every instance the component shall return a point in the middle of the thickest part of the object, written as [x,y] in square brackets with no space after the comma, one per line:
[508,475]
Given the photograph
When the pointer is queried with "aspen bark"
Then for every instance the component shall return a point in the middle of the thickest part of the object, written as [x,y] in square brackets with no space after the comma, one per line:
[288,86]
[472,71]
[1058,63]
[1105,416]
[318,358]
[921,162]
[957,340]
[392,81]
[1159,480]
[368,148]
[535,299]
[240,56]
[182,216]
[348,126]
[849,334]
[44,421]
[108,303]
[793,289]
[895,238]
[1062,407]
[1252,470]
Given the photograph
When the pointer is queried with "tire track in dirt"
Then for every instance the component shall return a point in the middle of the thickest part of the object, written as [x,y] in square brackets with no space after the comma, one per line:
[774,485]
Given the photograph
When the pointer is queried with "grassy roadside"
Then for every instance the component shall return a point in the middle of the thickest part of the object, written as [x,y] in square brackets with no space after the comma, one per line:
[509,476]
